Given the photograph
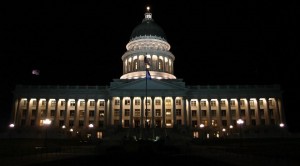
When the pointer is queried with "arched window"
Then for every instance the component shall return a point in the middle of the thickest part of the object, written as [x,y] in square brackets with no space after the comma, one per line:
[160,64]
[135,65]
[129,66]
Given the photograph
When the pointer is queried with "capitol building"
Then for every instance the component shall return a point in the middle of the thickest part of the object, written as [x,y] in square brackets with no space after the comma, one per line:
[149,98]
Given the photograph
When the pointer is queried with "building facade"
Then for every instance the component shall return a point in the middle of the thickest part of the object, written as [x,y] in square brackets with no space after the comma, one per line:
[161,103]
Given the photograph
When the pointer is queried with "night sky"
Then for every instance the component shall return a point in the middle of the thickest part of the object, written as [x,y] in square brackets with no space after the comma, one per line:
[214,42]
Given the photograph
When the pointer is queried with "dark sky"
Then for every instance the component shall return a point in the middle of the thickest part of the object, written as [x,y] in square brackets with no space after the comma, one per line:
[214,42]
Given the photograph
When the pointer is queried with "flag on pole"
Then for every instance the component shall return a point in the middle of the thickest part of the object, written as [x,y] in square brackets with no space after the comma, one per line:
[35,72]
[148,76]
[146,61]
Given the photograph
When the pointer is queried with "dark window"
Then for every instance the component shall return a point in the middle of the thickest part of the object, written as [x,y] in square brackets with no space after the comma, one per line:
[91,113]
[252,112]
[178,112]
[178,122]
[203,113]
[127,112]
[194,113]
[81,123]
[194,123]
[52,112]
[71,123]
[253,122]
[126,123]
[224,123]
[223,113]
[213,113]
[32,122]
[72,113]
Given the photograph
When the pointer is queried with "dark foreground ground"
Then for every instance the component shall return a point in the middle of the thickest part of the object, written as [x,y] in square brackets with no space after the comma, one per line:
[31,152]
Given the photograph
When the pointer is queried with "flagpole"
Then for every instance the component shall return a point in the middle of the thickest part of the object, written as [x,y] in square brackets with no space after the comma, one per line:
[146,99]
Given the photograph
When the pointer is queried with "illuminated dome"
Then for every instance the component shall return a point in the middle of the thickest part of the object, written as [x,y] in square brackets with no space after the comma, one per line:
[148,44]
[148,27]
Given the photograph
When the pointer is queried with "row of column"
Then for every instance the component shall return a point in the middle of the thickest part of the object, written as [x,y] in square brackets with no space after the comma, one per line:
[187,117]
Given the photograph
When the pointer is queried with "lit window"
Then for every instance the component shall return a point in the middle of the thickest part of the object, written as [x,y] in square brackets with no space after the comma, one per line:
[178,102]
[34,102]
[251,103]
[82,103]
[168,112]
[232,102]
[127,102]
[137,112]
[101,103]
[117,102]
[168,102]
[148,101]
[157,102]
[213,103]
[223,104]
[92,103]
[193,103]
[137,102]
[270,102]
[261,102]
[203,103]
[53,103]
[242,103]
[72,103]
